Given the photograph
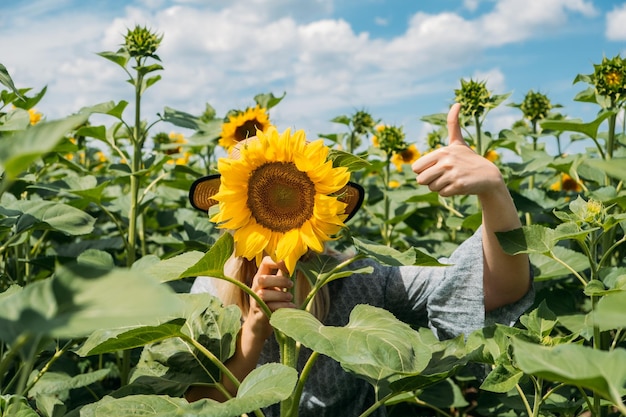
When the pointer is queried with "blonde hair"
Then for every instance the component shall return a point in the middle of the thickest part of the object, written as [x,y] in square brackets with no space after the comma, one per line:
[243,270]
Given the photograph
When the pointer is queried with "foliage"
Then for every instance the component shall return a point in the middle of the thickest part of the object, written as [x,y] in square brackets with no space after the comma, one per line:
[98,247]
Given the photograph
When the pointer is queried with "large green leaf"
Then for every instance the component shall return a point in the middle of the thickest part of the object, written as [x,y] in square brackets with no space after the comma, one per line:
[169,269]
[17,152]
[173,358]
[590,129]
[547,267]
[264,386]
[577,365]
[42,214]
[374,345]
[136,337]
[82,298]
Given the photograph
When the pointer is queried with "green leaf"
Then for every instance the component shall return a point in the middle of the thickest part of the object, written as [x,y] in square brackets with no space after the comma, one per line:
[527,239]
[98,132]
[53,215]
[180,118]
[212,263]
[502,378]
[590,129]
[120,58]
[174,268]
[546,267]
[392,257]
[78,300]
[16,406]
[60,383]
[609,313]
[264,386]
[138,337]
[268,100]
[6,80]
[573,364]
[374,344]
[540,322]
[174,358]
[615,167]
[19,151]
[348,160]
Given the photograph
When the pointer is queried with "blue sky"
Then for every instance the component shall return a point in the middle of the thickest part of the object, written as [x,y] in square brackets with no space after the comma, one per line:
[398,59]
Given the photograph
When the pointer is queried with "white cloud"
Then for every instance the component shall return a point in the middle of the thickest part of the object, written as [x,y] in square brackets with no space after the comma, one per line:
[615,24]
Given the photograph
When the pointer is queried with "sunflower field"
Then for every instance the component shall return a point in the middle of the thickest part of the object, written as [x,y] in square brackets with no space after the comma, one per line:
[99,246]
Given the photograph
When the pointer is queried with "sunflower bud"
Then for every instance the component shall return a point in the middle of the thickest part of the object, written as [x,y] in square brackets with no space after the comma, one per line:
[141,42]
[391,139]
[362,122]
[474,97]
[535,106]
[609,78]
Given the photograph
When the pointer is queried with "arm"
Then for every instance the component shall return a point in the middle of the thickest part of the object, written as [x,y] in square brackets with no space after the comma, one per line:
[268,283]
[457,170]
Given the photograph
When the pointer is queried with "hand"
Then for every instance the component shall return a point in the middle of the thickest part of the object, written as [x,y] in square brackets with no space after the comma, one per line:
[456,169]
[271,283]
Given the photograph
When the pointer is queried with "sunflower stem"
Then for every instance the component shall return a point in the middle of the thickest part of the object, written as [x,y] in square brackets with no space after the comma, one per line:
[288,357]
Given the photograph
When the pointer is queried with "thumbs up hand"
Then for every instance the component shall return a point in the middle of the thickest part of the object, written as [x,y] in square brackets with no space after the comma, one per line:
[456,169]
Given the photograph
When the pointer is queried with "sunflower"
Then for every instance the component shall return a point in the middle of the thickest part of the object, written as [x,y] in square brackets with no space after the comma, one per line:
[277,197]
[566,183]
[406,156]
[243,125]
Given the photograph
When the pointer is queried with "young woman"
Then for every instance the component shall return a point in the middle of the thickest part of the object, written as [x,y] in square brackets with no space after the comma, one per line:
[483,285]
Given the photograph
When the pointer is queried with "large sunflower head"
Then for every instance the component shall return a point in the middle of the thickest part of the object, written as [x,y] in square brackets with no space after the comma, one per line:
[281,196]
[243,125]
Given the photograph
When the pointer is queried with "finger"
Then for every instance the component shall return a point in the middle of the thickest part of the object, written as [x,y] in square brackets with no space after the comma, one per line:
[271,295]
[424,162]
[278,304]
[268,266]
[455,136]
[273,281]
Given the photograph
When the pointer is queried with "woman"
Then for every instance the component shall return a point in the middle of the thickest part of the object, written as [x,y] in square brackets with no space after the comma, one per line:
[483,285]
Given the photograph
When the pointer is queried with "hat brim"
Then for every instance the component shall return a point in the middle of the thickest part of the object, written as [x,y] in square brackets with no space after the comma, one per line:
[203,189]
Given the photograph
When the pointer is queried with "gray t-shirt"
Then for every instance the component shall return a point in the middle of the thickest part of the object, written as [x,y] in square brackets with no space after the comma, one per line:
[449,300]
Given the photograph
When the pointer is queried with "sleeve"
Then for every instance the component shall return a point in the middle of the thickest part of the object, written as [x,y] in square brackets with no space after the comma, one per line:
[450,296]
[204,285]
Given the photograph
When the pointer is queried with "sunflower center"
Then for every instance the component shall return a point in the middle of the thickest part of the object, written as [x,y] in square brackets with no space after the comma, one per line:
[247,130]
[280,197]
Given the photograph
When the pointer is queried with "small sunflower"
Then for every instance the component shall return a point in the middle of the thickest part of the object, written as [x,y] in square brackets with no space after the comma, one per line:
[406,156]
[243,125]
[278,198]
[566,183]
[35,116]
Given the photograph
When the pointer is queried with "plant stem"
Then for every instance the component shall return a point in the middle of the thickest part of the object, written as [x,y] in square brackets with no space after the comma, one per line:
[297,393]
[288,357]
[524,399]
[387,204]
[57,354]
[479,140]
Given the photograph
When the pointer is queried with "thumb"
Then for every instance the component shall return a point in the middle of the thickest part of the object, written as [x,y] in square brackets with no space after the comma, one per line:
[454,128]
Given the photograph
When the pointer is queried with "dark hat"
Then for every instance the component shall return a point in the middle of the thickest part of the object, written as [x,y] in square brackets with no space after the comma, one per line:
[203,189]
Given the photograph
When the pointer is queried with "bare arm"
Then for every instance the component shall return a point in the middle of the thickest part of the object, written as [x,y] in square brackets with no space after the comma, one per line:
[267,284]
[457,170]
